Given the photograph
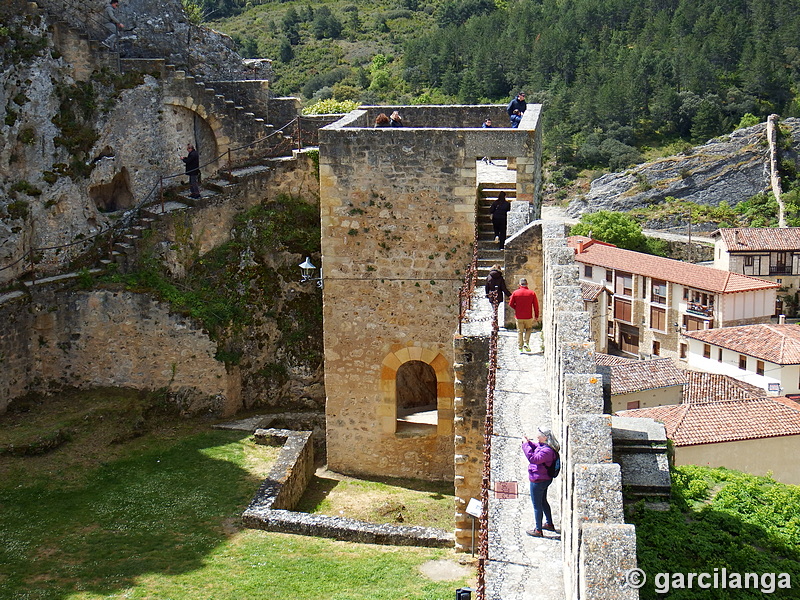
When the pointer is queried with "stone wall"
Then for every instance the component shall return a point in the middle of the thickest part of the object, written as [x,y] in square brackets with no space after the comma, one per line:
[523,258]
[116,339]
[398,215]
[270,509]
[468,427]
[598,546]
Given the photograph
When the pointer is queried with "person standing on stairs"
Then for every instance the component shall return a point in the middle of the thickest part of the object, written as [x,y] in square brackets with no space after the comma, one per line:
[499,211]
[526,306]
[112,25]
[192,162]
[495,282]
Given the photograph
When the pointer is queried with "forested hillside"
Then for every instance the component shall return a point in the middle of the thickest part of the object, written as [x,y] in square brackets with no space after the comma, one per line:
[615,75]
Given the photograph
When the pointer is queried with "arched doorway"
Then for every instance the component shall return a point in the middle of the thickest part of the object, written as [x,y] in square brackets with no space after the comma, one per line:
[416,394]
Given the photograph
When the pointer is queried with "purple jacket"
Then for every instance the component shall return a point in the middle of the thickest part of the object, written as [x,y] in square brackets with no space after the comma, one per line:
[540,456]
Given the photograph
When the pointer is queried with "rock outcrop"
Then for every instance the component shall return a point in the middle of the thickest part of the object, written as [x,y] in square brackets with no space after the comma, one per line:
[732,168]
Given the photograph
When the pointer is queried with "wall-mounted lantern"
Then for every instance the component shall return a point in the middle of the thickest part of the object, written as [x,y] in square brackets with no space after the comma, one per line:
[308,272]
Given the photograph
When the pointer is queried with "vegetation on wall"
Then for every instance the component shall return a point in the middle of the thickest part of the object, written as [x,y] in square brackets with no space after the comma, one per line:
[227,288]
[718,519]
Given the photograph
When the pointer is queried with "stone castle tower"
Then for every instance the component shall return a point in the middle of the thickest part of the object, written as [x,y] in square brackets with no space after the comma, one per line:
[398,213]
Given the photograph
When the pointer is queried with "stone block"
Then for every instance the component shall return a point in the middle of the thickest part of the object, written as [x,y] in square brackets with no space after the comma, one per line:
[597,493]
[589,438]
[606,553]
[583,393]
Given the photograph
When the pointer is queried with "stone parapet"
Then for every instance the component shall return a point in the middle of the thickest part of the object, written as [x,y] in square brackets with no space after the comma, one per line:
[598,547]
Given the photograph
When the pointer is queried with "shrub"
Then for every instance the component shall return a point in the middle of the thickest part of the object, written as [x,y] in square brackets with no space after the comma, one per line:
[330,107]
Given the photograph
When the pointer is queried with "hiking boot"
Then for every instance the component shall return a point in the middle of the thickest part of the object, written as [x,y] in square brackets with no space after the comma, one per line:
[549,527]
[526,348]
[535,533]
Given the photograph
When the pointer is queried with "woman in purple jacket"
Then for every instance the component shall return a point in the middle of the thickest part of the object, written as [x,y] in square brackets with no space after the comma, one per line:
[540,456]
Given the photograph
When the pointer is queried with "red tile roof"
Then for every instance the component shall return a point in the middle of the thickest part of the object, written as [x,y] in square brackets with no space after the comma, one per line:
[688,274]
[637,375]
[726,421]
[778,344]
[713,387]
[750,239]
[590,291]
[610,359]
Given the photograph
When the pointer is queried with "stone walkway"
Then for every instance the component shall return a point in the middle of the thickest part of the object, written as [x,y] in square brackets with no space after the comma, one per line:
[520,567]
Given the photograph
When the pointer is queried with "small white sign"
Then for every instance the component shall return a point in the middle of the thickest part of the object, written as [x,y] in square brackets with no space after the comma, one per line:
[774,387]
[474,508]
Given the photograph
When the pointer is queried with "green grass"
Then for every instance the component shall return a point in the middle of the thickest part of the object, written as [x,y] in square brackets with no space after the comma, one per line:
[389,500]
[139,503]
[721,518]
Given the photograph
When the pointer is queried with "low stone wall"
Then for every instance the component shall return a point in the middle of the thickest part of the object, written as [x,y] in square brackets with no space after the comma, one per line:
[55,339]
[282,489]
[599,547]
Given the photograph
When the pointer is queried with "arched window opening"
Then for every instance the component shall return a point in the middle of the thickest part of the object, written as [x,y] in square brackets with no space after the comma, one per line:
[416,393]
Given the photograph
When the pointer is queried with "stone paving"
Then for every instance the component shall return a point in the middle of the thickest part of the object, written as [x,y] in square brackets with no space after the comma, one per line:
[520,567]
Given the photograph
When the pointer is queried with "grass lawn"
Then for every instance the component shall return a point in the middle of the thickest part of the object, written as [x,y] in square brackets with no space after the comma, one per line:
[130,501]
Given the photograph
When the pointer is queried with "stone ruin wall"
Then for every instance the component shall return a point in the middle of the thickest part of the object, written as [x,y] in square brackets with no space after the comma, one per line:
[598,545]
[114,339]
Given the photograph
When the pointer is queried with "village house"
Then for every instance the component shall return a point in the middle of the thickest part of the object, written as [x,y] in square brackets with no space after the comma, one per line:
[652,300]
[754,435]
[642,383]
[764,355]
[771,253]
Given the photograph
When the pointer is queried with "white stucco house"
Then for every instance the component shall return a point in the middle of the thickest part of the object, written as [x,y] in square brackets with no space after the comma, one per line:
[764,355]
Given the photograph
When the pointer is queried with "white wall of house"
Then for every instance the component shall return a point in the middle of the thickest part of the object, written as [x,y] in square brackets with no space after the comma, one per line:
[776,454]
[746,306]
[788,376]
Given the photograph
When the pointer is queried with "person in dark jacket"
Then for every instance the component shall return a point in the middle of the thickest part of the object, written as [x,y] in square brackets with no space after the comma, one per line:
[112,25]
[499,211]
[516,119]
[517,103]
[395,120]
[495,282]
[540,455]
[192,162]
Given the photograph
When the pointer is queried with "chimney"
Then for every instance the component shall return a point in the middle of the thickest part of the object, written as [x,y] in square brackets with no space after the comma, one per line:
[781,319]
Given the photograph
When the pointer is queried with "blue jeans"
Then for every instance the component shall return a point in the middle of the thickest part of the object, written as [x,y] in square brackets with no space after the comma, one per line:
[540,504]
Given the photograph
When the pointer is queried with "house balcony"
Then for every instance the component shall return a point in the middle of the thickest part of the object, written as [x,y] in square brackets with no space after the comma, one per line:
[780,269]
[701,310]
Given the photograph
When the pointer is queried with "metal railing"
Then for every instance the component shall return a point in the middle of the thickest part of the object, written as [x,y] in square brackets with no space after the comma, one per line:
[488,431]
[155,195]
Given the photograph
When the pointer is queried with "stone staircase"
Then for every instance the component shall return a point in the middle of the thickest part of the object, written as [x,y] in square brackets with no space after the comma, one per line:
[489,252]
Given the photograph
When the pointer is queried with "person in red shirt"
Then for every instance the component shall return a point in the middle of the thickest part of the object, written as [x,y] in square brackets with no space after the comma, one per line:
[526,307]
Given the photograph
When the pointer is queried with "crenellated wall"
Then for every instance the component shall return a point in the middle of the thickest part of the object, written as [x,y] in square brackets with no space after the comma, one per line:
[599,547]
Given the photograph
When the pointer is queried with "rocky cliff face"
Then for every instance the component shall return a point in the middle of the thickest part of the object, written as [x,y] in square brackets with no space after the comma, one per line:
[732,168]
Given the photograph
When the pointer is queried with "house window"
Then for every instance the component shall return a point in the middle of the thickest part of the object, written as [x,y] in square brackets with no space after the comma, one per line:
[749,261]
[633,405]
[658,318]
[684,350]
[719,355]
[624,284]
[759,367]
[611,328]
[659,291]
[743,362]
[706,351]
[587,271]
[609,276]
[656,348]
[622,310]
[693,324]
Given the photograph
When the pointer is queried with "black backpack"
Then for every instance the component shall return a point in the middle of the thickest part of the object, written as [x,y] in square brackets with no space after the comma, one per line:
[554,469]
